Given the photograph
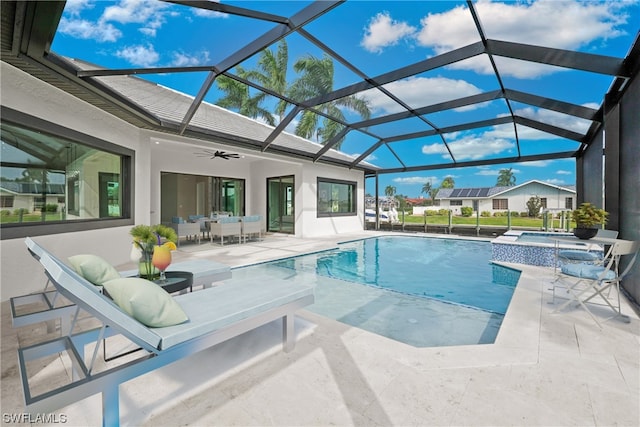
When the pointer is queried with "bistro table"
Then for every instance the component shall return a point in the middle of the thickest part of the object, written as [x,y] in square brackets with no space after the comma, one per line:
[176,281]
[594,243]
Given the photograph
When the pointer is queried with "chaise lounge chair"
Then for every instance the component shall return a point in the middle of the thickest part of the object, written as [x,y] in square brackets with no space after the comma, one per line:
[214,315]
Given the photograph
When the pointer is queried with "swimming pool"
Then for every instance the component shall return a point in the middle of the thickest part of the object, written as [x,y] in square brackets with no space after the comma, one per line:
[421,291]
[538,237]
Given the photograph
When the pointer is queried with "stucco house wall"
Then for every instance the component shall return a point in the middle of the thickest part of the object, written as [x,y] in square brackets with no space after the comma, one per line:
[154,153]
[517,197]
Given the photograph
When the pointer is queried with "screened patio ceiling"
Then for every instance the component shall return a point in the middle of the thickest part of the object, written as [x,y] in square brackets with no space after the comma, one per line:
[384,87]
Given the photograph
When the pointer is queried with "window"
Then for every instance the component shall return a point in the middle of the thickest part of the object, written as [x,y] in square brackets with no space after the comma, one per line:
[336,198]
[58,177]
[6,201]
[543,202]
[500,204]
[455,203]
[568,203]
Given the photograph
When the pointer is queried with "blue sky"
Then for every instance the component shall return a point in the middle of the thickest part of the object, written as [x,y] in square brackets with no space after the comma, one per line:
[378,37]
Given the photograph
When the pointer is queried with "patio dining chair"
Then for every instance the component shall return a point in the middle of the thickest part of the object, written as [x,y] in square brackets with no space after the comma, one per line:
[565,256]
[584,281]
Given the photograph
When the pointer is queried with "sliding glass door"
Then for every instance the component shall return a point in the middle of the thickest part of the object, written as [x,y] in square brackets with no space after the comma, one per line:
[184,195]
[280,204]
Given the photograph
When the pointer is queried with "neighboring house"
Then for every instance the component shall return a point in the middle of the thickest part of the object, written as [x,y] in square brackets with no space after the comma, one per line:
[502,199]
[385,203]
[29,196]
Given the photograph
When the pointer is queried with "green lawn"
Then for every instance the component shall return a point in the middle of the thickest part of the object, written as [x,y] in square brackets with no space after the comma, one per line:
[31,217]
[487,221]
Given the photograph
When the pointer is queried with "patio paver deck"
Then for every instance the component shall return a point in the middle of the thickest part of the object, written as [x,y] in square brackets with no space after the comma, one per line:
[544,369]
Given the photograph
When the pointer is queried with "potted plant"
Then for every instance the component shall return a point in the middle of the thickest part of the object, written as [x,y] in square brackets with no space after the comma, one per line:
[588,219]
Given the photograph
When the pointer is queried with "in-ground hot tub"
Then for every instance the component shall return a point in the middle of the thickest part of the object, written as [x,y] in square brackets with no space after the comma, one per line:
[535,248]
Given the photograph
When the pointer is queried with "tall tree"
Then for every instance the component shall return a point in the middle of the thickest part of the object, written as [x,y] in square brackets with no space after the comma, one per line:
[272,73]
[433,193]
[426,188]
[448,182]
[316,79]
[506,178]
[390,191]
[237,97]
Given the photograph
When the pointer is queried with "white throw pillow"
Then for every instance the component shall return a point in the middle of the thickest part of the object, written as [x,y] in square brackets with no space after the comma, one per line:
[93,268]
[145,301]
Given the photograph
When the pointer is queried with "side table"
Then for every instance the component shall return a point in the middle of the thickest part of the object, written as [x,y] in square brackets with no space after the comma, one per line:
[176,281]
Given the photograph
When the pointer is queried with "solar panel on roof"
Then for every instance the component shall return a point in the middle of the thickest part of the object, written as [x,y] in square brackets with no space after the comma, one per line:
[465,192]
[484,192]
[475,192]
[455,192]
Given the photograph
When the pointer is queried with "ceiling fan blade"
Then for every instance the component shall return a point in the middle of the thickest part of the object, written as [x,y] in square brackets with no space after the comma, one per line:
[213,154]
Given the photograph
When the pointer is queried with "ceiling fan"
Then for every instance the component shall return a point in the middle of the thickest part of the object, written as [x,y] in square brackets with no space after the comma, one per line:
[217,153]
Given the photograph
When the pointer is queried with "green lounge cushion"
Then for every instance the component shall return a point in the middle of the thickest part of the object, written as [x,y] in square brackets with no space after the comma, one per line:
[93,268]
[146,302]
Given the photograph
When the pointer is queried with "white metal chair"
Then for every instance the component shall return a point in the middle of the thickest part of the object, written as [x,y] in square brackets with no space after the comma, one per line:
[581,256]
[584,281]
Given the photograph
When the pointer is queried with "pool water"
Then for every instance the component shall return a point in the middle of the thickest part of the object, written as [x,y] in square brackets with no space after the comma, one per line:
[421,291]
[538,237]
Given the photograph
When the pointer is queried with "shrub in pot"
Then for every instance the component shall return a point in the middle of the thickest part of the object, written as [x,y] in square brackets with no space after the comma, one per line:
[588,219]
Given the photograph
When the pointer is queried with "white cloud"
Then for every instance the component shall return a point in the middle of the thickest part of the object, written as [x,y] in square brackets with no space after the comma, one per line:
[181,59]
[136,11]
[559,24]
[562,172]
[383,31]
[471,147]
[204,13]
[371,158]
[74,7]
[143,56]
[83,29]
[416,180]
[150,14]
[537,163]
[487,172]
[419,92]
[435,149]
[555,181]
[553,118]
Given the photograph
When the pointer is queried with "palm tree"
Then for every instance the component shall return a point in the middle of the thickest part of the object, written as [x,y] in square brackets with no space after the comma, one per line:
[448,182]
[316,79]
[426,188]
[272,73]
[506,178]
[433,193]
[389,191]
[238,98]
